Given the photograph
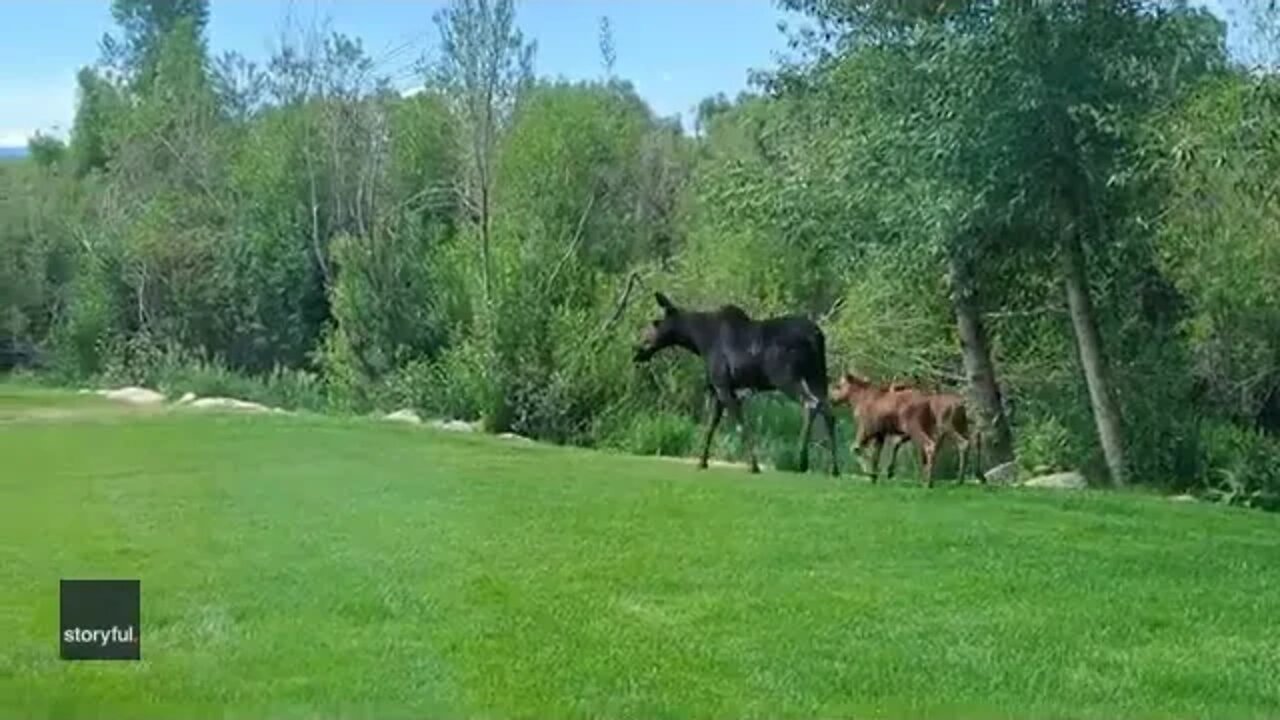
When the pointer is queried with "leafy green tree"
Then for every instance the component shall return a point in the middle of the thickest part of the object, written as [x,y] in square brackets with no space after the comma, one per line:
[484,67]
[98,102]
[1000,116]
[46,151]
[144,27]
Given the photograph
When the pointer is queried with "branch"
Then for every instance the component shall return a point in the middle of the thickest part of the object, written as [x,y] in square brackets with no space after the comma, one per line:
[182,160]
[621,305]
[573,243]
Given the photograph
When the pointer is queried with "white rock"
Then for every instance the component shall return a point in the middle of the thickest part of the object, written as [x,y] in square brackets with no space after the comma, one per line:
[405,415]
[1005,473]
[515,437]
[134,395]
[1183,498]
[453,425]
[228,404]
[1058,481]
[186,398]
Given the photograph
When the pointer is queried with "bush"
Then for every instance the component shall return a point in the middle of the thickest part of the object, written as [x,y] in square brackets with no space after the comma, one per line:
[1242,465]
[1044,444]
[662,433]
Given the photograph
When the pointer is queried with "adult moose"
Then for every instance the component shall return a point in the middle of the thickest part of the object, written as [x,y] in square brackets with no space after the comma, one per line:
[786,354]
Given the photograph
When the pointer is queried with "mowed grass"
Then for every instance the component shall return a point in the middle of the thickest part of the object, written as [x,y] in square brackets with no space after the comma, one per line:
[321,567]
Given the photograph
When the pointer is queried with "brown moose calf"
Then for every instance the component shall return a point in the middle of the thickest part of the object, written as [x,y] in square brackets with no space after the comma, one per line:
[881,414]
[951,415]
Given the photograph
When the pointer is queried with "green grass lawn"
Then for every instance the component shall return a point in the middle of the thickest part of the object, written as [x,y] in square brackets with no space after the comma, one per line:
[322,567]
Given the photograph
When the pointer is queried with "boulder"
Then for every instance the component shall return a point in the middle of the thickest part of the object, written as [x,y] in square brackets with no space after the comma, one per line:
[406,415]
[1004,474]
[453,425]
[515,437]
[186,398]
[222,403]
[133,395]
[1058,481]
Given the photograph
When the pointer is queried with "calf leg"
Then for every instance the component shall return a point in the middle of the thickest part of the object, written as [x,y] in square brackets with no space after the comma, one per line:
[928,453]
[717,409]
[870,466]
[894,444]
[962,453]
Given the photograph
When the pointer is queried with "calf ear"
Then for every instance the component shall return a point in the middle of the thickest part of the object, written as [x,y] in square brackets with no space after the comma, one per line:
[664,302]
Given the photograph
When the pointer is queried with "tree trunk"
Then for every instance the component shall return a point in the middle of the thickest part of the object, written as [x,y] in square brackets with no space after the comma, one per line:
[1093,360]
[977,363]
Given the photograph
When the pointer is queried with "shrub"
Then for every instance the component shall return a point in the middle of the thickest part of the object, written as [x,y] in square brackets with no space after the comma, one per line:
[1242,465]
[662,433]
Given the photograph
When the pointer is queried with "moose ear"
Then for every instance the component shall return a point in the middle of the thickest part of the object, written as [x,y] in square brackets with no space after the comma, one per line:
[664,302]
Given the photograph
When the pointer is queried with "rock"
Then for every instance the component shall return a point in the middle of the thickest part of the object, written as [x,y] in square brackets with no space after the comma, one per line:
[186,398]
[133,395]
[406,415]
[1004,474]
[513,436]
[1184,498]
[1058,481]
[85,391]
[453,425]
[227,404]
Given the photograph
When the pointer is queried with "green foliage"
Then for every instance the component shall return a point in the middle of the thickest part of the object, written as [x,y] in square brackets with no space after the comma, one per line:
[302,234]
[666,434]
[46,151]
[1242,465]
[1218,239]
[146,25]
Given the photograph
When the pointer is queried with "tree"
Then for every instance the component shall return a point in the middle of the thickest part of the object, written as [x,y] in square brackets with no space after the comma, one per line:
[1013,115]
[914,83]
[608,54]
[97,103]
[145,24]
[485,66]
[45,150]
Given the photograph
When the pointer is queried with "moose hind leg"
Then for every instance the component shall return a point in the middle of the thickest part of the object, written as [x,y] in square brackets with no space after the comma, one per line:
[829,419]
[731,402]
[805,433]
[717,409]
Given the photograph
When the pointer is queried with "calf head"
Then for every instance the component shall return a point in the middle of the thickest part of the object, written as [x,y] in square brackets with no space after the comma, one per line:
[849,387]
[661,333]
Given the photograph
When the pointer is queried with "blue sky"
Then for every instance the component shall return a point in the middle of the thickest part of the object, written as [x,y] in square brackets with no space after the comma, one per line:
[675,51]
